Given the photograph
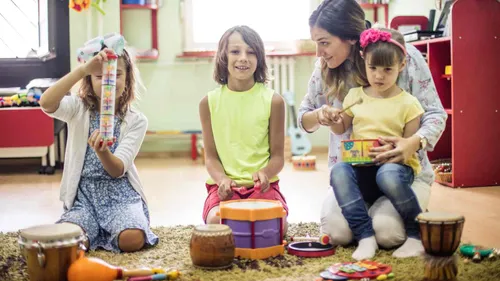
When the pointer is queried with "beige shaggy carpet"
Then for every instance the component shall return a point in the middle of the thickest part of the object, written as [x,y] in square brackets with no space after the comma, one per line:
[173,252]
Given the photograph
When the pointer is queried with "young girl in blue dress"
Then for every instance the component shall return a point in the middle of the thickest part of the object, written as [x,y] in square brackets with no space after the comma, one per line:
[100,185]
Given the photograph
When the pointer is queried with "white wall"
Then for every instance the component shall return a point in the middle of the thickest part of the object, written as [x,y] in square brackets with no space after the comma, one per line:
[412,8]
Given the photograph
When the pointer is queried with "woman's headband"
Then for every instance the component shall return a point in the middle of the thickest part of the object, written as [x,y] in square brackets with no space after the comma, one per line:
[373,35]
[113,41]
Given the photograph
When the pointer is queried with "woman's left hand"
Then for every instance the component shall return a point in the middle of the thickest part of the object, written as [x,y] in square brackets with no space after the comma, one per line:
[394,150]
[96,142]
[261,178]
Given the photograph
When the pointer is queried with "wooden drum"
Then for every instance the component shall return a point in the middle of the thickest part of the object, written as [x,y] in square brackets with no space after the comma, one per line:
[50,249]
[306,163]
[440,234]
[212,246]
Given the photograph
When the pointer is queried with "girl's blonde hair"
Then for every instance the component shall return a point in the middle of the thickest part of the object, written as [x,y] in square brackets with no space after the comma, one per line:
[346,20]
[131,92]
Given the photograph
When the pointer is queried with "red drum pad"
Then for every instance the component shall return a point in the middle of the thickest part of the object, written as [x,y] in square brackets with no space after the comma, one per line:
[359,270]
[310,249]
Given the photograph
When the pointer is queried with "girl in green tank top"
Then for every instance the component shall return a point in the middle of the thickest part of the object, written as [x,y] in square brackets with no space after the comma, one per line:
[243,125]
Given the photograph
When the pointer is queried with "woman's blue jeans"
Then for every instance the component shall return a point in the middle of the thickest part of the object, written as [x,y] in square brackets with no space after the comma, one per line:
[354,186]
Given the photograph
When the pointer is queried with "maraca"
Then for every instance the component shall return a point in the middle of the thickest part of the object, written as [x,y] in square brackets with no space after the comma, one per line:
[95,269]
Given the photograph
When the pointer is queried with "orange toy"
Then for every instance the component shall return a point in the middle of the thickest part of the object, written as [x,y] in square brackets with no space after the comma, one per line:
[95,269]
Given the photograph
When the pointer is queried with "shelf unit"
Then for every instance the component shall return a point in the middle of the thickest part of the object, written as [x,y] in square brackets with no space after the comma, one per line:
[469,95]
[154,27]
[375,8]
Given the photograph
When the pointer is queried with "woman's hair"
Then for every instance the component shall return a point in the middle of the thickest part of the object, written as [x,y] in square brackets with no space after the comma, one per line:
[384,53]
[346,20]
[253,40]
[130,93]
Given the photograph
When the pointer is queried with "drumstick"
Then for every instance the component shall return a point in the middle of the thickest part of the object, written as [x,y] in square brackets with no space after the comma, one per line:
[359,101]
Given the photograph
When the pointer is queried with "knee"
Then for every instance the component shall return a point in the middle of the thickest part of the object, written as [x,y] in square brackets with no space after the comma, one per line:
[131,240]
[389,231]
[212,217]
[390,178]
[340,174]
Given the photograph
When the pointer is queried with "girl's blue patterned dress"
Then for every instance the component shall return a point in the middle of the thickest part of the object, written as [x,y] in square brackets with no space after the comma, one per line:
[105,206]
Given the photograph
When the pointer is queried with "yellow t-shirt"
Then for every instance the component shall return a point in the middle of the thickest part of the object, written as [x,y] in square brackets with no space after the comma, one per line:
[240,126]
[376,117]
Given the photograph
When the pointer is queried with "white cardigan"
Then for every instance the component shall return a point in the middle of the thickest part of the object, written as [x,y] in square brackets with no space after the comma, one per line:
[132,131]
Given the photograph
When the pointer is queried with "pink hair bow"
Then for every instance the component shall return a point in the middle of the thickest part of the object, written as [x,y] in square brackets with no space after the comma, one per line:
[373,35]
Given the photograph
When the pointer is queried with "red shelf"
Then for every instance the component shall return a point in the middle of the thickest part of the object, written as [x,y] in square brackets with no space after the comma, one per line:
[449,184]
[147,57]
[371,6]
[154,24]
[136,6]
[375,7]
[431,41]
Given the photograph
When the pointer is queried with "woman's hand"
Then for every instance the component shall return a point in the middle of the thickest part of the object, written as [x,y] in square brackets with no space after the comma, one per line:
[225,190]
[324,115]
[260,179]
[97,143]
[94,65]
[394,150]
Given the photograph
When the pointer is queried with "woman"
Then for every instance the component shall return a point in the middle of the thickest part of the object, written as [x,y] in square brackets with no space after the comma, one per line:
[335,27]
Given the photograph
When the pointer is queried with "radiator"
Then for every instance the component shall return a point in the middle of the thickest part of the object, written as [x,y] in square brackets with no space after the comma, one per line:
[282,73]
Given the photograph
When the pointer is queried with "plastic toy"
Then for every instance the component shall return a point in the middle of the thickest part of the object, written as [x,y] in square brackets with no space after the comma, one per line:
[322,239]
[310,249]
[95,269]
[356,151]
[257,226]
[108,94]
[478,253]
[363,270]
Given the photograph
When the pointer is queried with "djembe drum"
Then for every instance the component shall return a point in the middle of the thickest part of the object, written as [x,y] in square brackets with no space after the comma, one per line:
[49,250]
[212,246]
[440,234]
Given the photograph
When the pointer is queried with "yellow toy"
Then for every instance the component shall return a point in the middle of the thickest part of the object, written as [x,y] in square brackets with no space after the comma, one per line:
[356,151]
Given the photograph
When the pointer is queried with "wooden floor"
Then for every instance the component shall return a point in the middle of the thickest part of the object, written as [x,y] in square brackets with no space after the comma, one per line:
[176,193]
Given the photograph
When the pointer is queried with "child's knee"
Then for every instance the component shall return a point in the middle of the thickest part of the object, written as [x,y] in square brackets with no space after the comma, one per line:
[131,240]
[212,217]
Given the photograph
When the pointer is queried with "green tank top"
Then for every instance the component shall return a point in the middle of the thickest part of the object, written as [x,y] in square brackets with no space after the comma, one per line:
[240,126]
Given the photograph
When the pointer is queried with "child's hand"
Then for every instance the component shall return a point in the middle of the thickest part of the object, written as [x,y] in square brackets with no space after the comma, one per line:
[225,190]
[260,179]
[96,142]
[94,65]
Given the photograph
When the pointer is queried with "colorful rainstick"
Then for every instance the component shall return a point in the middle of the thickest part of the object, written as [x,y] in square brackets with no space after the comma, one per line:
[108,93]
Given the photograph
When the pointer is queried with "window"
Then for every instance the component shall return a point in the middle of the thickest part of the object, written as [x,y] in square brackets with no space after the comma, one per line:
[279,22]
[34,40]
[23,28]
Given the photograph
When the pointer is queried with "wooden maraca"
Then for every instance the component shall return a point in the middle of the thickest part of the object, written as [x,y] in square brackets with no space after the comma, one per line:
[95,269]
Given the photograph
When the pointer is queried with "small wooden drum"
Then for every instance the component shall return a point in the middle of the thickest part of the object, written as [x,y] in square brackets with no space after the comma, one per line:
[304,162]
[212,246]
[50,249]
[441,232]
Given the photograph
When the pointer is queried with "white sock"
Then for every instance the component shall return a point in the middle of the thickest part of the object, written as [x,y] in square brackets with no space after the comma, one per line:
[366,249]
[411,248]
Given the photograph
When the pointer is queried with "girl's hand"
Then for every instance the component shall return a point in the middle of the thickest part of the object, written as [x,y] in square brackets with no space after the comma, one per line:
[225,190]
[94,65]
[261,181]
[96,142]
[393,150]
